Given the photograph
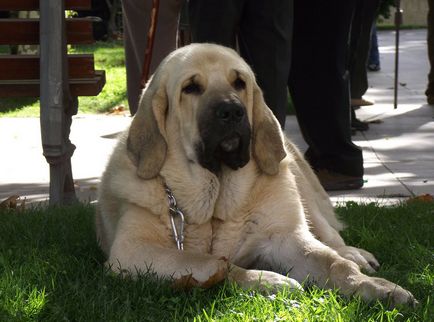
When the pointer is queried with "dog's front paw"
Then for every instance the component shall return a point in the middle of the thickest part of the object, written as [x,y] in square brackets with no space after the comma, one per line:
[264,281]
[372,288]
[202,274]
[361,257]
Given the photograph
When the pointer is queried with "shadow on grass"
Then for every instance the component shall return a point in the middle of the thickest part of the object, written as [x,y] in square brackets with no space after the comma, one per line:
[16,104]
[36,194]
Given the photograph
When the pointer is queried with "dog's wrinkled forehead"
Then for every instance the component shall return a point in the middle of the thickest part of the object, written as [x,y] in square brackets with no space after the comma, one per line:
[204,59]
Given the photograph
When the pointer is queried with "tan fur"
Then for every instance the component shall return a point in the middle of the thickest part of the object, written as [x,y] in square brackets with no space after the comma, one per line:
[250,225]
[267,139]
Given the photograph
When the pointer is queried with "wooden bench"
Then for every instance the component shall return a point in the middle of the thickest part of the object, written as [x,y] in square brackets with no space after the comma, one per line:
[55,76]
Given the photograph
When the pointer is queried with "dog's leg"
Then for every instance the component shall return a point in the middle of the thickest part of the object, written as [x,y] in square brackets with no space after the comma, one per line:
[265,281]
[142,244]
[303,257]
[131,255]
[321,215]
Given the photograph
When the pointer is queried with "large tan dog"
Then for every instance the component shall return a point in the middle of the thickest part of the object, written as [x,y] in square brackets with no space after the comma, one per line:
[253,208]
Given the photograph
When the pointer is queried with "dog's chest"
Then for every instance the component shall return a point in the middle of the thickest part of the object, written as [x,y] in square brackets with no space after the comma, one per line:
[221,238]
[209,200]
[229,224]
[198,238]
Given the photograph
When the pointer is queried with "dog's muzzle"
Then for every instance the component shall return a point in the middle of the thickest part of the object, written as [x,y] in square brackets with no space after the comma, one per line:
[225,136]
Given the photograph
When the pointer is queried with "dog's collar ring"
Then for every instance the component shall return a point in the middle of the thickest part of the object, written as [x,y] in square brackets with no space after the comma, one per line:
[175,214]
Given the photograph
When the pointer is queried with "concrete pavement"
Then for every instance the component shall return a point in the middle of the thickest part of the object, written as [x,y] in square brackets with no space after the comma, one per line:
[398,149]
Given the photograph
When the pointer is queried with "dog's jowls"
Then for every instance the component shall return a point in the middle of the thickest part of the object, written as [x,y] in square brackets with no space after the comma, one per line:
[254,210]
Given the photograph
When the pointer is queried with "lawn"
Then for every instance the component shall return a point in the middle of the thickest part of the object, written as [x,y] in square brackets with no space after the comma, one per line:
[109,56]
[51,270]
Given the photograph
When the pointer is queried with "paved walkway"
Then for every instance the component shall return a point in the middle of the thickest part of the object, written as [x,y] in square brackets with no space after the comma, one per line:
[398,150]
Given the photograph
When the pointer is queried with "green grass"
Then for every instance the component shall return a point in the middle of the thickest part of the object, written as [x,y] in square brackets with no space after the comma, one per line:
[109,56]
[51,270]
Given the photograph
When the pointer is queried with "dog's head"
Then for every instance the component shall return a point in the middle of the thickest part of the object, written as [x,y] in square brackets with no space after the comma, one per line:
[205,98]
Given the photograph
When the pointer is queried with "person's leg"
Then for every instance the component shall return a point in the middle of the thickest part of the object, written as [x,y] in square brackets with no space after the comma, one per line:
[319,86]
[136,21]
[215,21]
[374,54]
[430,89]
[364,17]
[264,30]
[265,43]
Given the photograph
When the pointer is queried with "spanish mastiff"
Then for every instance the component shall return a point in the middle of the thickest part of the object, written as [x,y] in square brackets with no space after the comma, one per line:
[204,187]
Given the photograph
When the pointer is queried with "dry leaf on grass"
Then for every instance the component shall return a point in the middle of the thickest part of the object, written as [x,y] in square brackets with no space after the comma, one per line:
[117,110]
[422,198]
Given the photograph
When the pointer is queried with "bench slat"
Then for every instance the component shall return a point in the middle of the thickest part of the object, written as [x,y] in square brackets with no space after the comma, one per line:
[18,5]
[30,87]
[27,66]
[26,31]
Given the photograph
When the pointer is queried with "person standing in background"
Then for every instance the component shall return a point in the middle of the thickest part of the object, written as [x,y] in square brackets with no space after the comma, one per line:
[136,22]
[374,64]
[261,30]
[319,87]
[365,15]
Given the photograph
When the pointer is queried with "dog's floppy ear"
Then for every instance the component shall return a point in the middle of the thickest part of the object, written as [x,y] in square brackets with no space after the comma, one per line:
[268,148]
[145,144]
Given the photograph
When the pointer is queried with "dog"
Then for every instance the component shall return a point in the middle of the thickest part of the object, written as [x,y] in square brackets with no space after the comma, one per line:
[204,187]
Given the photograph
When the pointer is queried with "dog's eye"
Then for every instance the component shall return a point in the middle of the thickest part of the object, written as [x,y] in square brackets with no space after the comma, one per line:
[192,88]
[239,84]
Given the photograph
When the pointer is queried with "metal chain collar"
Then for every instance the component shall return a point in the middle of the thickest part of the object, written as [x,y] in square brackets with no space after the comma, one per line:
[174,213]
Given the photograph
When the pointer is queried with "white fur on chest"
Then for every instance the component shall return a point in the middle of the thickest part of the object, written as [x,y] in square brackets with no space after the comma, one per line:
[235,189]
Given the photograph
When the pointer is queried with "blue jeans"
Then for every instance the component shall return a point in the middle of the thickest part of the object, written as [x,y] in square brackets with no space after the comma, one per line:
[374,54]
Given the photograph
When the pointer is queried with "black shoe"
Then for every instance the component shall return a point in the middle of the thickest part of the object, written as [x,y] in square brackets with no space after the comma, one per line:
[374,67]
[358,125]
[332,181]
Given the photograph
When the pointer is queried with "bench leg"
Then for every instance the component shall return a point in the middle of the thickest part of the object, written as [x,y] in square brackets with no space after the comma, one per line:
[57,104]
[62,189]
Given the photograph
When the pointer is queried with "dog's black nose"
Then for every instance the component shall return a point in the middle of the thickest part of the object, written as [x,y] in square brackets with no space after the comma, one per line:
[229,112]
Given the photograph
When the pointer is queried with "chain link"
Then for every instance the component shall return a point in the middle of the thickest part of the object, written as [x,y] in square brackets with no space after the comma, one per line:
[175,214]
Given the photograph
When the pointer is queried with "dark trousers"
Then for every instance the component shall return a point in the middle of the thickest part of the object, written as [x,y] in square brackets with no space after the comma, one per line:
[319,84]
[136,22]
[430,89]
[365,14]
[262,31]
